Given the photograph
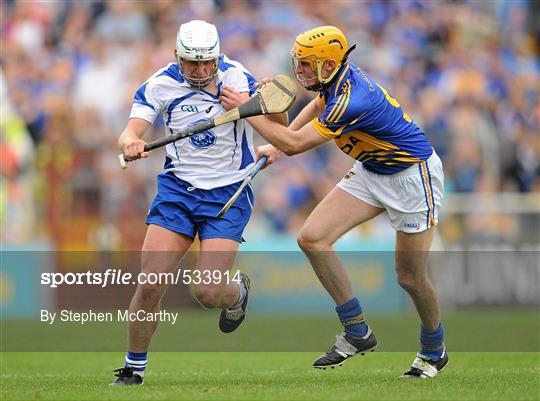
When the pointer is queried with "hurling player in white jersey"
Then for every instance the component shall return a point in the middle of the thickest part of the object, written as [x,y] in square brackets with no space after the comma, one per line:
[200,175]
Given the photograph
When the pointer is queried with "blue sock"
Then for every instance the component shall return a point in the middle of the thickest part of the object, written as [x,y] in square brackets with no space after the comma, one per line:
[351,316]
[432,342]
[138,361]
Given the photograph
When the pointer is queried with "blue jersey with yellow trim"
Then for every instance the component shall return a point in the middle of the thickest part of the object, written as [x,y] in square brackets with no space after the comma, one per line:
[369,125]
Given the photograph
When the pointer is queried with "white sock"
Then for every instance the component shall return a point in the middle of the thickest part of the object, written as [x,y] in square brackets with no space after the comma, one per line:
[241,295]
[137,361]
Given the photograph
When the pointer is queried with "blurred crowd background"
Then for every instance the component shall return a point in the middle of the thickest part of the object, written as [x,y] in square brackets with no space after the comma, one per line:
[466,71]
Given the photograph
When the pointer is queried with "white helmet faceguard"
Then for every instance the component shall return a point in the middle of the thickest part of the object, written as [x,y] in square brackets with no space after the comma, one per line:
[197,41]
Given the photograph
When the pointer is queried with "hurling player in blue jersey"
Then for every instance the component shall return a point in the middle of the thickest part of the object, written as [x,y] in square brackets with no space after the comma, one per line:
[396,171]
[200,175]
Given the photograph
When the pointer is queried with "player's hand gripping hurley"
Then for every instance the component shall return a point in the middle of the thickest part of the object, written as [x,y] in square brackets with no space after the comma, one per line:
[275,97]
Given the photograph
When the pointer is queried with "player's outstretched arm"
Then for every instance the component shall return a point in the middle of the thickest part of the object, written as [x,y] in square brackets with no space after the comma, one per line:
[130,142]
[280,118]
[312,110]
[290,142]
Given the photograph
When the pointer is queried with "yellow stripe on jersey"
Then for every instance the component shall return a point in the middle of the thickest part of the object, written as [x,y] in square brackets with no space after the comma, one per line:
[410,159]
[343,100]
[385,159]
[341,79]
[364,147]
[329,134]
[346,101]
[335,107]
[324,131]
[366,142]
[356,119]
[338,84]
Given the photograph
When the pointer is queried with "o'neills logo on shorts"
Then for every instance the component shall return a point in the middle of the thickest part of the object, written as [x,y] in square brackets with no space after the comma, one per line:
[415,226]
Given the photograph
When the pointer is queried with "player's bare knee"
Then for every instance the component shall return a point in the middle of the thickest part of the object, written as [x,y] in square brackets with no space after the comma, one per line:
[409,282]
[208,296]
[150,294]
[309,242]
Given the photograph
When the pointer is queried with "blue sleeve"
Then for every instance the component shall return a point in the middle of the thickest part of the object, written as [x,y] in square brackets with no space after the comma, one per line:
[251,83]
[140,97]
[344,109]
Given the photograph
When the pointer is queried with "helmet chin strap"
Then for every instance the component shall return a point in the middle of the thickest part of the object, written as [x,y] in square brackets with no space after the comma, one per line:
[318,87]
[197,85]
[305,80]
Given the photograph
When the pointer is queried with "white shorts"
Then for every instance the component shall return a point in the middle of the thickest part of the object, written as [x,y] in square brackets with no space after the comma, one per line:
[411,197]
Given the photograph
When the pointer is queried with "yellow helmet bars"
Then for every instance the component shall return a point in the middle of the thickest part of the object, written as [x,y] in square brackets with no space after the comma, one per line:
[319,45]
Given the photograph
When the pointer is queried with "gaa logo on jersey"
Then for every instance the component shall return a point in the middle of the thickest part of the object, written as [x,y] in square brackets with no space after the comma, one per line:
[202,140]
[189,108]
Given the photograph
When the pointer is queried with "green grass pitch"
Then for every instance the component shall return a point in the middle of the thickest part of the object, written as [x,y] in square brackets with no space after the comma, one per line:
[283,371]
[268,376]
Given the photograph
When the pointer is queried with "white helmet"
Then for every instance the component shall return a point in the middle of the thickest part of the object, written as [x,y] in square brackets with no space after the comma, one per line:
[197,41]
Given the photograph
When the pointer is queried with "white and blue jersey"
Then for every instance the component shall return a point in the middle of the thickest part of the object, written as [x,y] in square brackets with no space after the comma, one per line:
[213,158]
[203,171]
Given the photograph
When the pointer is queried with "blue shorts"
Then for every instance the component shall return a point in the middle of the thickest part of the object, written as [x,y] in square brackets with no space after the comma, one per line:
[186,210]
